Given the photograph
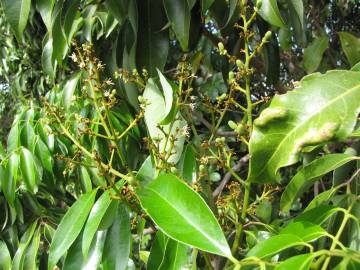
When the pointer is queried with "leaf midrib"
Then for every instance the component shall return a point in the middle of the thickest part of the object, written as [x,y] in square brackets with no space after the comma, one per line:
[189,221]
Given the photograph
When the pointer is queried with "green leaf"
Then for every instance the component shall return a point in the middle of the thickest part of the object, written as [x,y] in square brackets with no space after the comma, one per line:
[350,45]
[43,154]
[29,170]
[146,172]
[187,164]
[117,244]
[167,253]
[153,49]
[305,230]
[178,13]
[275,245]
[206,4]
[157,250]
[118,9]
[45,8]
[17,14]
[264,211]
[69,89]
[48,65]
[308,175]
[72,20]
[5,259]
[233,4]
[96,251]
[298,6]
[70,227]
[10,176]
[170,101]
[97,213]
[322,109]
[154,114]
[85,179]
[18,260]
[299,262]
[13,140]
[322,198]
[317,215]
[314,52]
[269,11]
[183,215]
[59,39]
[32,251]
[356,67]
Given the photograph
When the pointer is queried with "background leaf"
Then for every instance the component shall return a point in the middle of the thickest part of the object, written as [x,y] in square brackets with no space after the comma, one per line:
[17,14]
[313,54]
[70,227]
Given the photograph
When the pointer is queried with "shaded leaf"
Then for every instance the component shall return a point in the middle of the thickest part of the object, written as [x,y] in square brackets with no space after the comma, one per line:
[69,89]
[70,227]
[350,45]
[274,245]
[305,230]
[299,262]
[314,52]
[32,251]
[269,11]
[18,260]
[307,175]
[153,49]
[9,175]
[183,215]
[29,170]
[117,243]
[96,214]
[45,8]
[178,13]
[17,14]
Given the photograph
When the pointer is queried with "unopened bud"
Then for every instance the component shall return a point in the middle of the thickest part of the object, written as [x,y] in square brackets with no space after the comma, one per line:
[173,170]
[239,63]
[267,36]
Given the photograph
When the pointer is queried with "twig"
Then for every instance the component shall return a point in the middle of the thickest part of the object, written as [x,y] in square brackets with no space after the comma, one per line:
[209,126]
[228,175]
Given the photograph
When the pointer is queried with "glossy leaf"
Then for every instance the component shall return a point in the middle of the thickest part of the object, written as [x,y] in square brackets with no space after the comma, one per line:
[313,54]
[317,215]
[18,260]
[5,259]
[146,172]
[29,170]
[45,7]
[117,243]
[10,176]
[118,8]
[292,122]
[170,101]
[183,215]
[13,140]
[47,62]
[69,89]
[275,245]
[96,214]
[308,175]
[187,164]
[70,227]
[322,198]
[32,251]
[17,14]
[305,230]
[178,13]
[269,11]
[350,45]
[298,6]
[155,113]
[43,154]
[299,262]
[167,253]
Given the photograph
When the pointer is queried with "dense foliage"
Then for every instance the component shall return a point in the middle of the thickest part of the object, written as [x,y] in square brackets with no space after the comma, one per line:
[179,134]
